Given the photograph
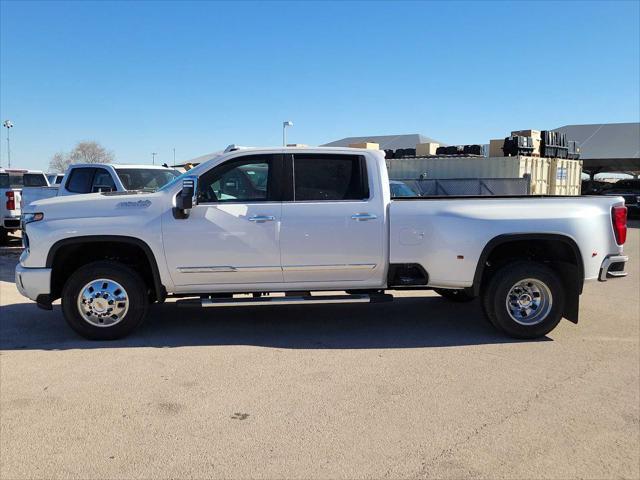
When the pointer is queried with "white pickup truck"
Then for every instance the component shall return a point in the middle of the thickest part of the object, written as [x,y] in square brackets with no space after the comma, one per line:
[103,177]
[14,183]
[300,220]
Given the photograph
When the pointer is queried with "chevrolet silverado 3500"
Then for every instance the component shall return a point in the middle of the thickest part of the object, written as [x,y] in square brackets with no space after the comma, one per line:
[302,220]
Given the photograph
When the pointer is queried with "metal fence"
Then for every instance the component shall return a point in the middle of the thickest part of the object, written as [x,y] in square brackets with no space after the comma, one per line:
[469,186]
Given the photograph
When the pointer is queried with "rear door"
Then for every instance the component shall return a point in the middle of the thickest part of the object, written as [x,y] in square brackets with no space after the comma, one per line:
[332,223]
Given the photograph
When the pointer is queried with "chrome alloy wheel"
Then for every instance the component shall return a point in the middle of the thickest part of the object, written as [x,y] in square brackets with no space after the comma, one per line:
[529,301]
[103,302]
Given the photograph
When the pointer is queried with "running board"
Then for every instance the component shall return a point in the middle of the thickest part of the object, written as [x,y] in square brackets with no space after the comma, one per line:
[303,300]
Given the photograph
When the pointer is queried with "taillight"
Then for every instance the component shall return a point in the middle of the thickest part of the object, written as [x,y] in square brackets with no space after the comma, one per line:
[11,200]
[619,219]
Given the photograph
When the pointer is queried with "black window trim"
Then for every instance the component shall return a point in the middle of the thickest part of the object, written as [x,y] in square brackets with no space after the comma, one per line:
[274,178]
[289,179]
[93,177]
[93,173]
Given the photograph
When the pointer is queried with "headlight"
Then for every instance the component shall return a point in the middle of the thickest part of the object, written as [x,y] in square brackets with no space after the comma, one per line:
[31,217]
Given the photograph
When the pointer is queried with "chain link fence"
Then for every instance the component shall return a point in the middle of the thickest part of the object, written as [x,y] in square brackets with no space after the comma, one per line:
[467,186]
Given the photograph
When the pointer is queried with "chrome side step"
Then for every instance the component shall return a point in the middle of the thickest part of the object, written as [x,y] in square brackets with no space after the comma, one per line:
[301,300]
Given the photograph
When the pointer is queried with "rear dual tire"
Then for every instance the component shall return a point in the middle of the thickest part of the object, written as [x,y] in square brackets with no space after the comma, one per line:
[524,299]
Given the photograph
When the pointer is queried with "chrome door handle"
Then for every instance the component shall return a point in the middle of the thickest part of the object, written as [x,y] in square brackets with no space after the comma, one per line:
[363,217]
[262,218]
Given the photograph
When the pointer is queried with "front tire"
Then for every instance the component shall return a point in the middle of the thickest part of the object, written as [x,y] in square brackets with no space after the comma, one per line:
[104,300]
[524,299]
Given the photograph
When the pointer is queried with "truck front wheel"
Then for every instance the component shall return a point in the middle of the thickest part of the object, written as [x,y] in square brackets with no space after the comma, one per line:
[104,300]
[524,299]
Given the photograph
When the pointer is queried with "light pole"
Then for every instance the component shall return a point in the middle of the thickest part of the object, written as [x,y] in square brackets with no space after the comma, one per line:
[8,125]
[174,155]
[153,157]
[284,131]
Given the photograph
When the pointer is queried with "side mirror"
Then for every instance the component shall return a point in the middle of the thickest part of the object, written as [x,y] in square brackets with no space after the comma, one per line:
[187,198]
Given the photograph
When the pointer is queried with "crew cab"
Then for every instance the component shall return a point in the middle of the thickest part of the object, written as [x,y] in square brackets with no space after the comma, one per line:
[283,224]
[13,184]
[104,177]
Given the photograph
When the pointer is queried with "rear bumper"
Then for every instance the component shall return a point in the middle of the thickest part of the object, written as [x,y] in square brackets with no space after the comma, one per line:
[613,267]
[33,282]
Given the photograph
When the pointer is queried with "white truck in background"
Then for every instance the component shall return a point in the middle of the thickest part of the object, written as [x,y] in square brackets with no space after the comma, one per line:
[104,177]
[13,184]
[296,220]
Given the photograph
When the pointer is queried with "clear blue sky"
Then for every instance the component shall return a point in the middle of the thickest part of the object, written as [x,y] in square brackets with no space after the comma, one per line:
[142,77]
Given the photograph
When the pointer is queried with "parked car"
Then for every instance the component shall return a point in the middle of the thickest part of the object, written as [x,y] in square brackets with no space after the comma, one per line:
[630,191]
[298,220]
[104,177]
[13,184]
[55,179]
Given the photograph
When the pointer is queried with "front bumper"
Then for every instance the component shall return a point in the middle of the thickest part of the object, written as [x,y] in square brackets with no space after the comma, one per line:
[613,267]
[33,283]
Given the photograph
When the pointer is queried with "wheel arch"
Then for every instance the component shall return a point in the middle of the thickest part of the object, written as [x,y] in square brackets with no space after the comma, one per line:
[572,273]
[60,246]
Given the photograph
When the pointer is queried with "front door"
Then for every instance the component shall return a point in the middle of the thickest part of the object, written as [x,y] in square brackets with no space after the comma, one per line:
[231,236]
[332,227]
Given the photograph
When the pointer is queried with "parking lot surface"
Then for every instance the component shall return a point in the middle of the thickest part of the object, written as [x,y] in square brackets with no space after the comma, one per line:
[416,388]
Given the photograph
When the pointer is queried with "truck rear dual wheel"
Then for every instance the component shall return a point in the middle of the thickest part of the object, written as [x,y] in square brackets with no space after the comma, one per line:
[524,299]
[104,300]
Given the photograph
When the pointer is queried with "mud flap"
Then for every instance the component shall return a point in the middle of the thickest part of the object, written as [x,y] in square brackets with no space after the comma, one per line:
[572,307]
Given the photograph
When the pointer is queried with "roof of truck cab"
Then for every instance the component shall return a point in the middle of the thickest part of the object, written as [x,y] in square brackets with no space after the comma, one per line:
[120,165]
[212,156]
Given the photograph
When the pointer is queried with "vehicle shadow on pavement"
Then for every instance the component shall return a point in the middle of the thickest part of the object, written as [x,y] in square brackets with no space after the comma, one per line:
[408,322]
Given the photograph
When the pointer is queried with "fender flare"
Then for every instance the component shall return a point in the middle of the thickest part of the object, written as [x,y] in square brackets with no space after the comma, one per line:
[511,237]
[160,290]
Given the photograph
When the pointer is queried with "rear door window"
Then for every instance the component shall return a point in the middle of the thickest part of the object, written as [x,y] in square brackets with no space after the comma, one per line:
[319,177]
[35,180]
[21,179]
[80,180]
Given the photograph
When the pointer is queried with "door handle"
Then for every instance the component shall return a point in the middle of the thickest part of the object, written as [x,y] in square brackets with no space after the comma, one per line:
[262,218]
[363,217]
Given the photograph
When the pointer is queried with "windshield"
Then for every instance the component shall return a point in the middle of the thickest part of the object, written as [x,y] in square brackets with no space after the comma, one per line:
[20,180]
[146,179]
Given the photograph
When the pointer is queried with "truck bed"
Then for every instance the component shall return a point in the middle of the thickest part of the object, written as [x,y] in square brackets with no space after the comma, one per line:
[447,235]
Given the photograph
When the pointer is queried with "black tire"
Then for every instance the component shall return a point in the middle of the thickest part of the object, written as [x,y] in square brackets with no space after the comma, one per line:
[458,296]
[131,282]
[551,296]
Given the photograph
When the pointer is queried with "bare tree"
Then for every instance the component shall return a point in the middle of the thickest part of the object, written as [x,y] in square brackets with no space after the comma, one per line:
[84,152]
[59,163]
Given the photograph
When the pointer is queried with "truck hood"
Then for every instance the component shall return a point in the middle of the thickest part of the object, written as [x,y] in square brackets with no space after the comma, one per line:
[96,204]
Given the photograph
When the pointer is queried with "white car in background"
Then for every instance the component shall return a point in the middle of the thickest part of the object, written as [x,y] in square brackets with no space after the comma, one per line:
[55,179]
[13,184]
[104,177]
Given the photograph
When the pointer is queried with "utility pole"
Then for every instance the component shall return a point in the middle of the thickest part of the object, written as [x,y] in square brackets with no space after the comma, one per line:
[8,125]
[153,157]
